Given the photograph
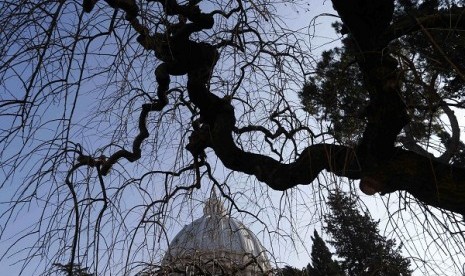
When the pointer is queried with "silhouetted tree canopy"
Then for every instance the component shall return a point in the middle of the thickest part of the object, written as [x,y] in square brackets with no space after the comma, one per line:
[118,117]
[322,259]
[357,240]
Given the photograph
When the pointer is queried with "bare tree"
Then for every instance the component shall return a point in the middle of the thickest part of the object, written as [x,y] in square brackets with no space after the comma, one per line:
[118,114]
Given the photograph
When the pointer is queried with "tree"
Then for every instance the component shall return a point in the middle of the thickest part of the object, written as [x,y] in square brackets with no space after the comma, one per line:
[353,104]
[291,271]
[358,242]
[73,270]
[322,262]
[116,115]
[425,70]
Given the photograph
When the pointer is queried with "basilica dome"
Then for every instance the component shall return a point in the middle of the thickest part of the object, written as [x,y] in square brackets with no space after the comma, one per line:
[215,244]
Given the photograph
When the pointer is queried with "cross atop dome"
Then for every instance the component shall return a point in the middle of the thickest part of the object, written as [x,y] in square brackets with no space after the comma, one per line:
[214,206]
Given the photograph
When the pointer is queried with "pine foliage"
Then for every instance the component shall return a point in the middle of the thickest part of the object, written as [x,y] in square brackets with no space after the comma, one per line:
[355,236]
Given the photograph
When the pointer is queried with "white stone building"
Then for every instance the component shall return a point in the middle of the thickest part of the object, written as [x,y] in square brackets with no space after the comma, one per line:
[215,244]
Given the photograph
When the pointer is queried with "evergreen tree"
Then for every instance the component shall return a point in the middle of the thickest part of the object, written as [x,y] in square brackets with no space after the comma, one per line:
[343,101]
[291,271]
[73,270]
[322,263]
[356,239]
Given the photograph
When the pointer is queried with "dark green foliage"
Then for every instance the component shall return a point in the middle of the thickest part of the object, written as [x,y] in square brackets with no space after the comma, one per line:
[356,238]
[73,270]
[432,62]
[340,100]
[458,158]
[359,246]
[291,271]
[322,262]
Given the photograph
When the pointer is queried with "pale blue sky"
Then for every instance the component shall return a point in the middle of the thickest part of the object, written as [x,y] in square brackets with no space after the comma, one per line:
[293,251]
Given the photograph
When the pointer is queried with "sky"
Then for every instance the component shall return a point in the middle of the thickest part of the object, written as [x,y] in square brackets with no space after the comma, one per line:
[294,251]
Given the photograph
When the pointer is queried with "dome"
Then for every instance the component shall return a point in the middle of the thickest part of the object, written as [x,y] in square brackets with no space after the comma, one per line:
[218,244]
